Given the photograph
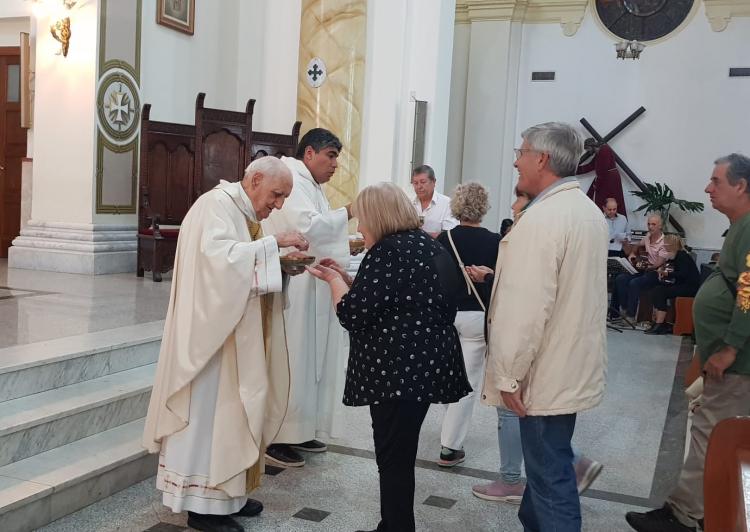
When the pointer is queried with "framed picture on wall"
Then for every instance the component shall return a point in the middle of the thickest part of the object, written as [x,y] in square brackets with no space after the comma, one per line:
[177,14]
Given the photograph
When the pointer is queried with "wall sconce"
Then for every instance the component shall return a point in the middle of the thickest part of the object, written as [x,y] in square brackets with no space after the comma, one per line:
[61,32]
[56,10]
[629,49]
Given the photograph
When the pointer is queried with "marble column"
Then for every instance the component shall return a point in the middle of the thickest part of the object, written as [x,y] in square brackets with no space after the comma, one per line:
[331,82]
[490,120]
[85,149]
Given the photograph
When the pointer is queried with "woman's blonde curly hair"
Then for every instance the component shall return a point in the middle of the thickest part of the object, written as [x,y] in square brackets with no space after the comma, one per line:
[470,202]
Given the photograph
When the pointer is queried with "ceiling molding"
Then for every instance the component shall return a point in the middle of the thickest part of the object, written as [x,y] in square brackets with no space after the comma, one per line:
[462,13]
[720,12]
[479,10]
[568,13]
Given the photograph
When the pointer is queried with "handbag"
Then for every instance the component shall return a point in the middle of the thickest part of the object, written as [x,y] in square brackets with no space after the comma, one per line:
[470,284]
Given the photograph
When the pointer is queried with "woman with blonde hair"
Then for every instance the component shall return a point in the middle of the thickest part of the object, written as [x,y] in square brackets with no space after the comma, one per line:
[678,277]
[404,350]
[469,244]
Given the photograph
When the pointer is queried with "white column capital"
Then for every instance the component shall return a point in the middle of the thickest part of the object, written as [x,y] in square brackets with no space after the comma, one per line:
[568,13]
[720,12]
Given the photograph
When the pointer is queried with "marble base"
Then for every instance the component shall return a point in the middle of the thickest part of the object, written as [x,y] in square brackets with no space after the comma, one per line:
[91,249]
[27,178]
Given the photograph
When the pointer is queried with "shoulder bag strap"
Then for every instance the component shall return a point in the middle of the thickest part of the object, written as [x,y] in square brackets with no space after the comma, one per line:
[471,288]
[730,285]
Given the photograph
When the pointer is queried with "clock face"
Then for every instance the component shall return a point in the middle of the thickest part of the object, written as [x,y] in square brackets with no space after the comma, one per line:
[642,20]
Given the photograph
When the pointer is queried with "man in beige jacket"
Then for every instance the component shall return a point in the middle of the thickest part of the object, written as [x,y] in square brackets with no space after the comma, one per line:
[546,322]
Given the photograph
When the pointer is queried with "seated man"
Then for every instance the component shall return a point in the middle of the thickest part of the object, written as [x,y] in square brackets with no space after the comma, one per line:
[618,227]
[628,287]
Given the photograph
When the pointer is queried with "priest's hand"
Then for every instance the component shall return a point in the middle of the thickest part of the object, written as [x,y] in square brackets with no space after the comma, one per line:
[478,273]
[292,239]
[330,263]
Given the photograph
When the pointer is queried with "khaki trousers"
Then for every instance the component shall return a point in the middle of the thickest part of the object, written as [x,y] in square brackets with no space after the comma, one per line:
[722,399]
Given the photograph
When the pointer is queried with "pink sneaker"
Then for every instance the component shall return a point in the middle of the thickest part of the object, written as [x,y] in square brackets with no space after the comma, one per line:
[500,491]
[586,472]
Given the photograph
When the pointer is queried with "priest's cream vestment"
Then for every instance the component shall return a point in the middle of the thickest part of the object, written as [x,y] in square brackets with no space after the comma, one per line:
[318,345]
[222,380]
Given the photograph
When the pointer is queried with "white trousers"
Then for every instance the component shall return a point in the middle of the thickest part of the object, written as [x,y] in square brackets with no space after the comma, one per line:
[185,458]
[470,326]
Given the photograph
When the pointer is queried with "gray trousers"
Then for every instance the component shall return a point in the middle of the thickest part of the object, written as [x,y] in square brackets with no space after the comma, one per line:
[722,399]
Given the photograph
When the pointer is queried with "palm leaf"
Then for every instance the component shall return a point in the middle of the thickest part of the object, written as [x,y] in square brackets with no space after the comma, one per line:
[660,197]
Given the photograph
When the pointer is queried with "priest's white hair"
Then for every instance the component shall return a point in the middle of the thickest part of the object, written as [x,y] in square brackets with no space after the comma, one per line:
[269,166]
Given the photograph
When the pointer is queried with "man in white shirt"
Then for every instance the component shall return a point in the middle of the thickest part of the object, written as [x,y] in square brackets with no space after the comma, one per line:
[433,207]
[618,227]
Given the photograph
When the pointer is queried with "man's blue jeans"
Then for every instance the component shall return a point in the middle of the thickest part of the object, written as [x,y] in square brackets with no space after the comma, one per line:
[511,453]
[550,502]
[628,290]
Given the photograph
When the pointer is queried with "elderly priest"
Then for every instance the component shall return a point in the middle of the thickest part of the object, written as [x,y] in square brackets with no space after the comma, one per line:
[222,381]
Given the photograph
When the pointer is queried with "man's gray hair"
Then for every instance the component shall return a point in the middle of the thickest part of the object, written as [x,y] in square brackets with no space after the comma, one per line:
[562,142]
[269,166]
[739,168]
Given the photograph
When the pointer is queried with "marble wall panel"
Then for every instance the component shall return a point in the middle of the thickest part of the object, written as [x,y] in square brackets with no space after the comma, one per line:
[335,31]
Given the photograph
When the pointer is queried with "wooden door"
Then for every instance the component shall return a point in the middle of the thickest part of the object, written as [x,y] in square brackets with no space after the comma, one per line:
[12,146]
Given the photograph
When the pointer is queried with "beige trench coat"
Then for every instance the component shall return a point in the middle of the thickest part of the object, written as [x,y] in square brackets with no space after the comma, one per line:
[547,315]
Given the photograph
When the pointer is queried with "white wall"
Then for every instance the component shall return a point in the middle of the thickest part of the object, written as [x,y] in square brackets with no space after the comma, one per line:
[64,122]
[241,49]
[10,28]
[267,68]
[383,98]
[175,66]
[694,111]
[15,8]
[409,50]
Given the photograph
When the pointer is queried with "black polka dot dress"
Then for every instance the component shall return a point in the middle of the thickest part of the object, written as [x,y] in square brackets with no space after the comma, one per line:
[400,322]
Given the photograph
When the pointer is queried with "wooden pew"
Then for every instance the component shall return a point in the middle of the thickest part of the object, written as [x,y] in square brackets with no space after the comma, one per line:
[180,162]
[726,481]
[167,162]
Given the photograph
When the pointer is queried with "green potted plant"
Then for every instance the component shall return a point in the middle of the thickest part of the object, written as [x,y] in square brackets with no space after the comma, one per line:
[660,198]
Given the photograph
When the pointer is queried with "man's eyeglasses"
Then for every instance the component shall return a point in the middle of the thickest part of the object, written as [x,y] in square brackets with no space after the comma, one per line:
[520,151]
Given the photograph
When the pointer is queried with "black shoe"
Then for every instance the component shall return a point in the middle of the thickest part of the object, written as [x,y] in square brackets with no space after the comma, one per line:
[312,446]
[661,520]
[251,508]
[450,457]
[284,456]
[213,523]
[658,328]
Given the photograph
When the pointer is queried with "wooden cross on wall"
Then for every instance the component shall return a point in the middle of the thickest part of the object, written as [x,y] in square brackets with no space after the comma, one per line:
[625,168]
